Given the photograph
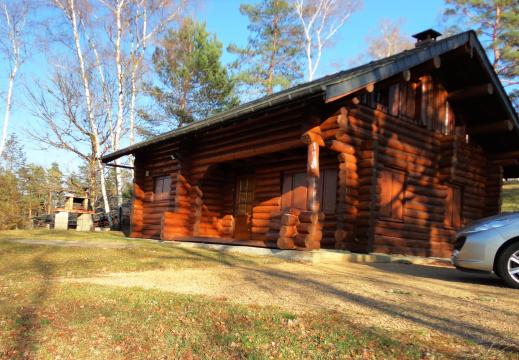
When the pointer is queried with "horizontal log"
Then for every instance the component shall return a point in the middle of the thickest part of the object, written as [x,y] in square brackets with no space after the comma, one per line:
[287,231]
[471,92]
[289,219]
[311,217]
[491,127]
[339,146]
[285,243]
[308,228]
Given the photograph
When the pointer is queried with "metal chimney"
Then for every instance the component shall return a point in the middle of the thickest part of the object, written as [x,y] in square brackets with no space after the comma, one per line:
[426,37]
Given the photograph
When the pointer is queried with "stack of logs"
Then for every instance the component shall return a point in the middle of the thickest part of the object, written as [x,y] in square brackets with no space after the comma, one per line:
[300,230]
[347,144]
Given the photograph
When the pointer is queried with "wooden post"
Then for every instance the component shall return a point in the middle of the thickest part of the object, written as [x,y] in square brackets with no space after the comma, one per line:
[312,170]
[196,198]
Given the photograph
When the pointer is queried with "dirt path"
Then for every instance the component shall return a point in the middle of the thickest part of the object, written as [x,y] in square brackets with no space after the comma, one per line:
[69,243]
[437,301]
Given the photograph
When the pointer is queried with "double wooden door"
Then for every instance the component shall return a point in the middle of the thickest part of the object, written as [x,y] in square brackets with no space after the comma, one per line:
[244,200]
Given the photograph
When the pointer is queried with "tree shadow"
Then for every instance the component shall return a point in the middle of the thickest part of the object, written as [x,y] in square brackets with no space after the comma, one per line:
[310,290]
[27,318]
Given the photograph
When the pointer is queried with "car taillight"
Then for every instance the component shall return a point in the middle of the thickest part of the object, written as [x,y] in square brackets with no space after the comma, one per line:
[460,241]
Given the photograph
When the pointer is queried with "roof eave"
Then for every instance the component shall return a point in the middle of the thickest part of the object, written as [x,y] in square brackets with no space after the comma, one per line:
[349,86]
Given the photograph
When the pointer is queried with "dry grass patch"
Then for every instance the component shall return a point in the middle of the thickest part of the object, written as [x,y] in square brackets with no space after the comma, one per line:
[43,317]
[510,197]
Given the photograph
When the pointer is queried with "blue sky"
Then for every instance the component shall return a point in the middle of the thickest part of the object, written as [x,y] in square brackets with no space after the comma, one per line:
[223,18]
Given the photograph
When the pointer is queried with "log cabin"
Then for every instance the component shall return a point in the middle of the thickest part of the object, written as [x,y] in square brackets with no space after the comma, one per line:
[393,156]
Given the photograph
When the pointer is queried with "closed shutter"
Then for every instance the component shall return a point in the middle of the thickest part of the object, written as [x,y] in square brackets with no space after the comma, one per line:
[300,191]
[295,191]
[453,207]
[161,188]
[392,188]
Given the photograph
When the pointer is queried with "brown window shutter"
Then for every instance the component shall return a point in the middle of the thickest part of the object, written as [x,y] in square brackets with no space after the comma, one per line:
[453,207]
[397,196]
[394,99]
[329,190]
[449,207]
[386,187]
[286,196]
[300,191]
[457,207]
[166,187]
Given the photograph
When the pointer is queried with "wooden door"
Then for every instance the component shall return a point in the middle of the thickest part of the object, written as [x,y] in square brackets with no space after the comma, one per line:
[243,207]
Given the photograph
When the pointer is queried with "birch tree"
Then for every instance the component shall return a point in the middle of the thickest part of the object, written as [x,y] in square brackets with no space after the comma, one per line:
[12,45]
[68,103]
[321,20]
[388,40]
[130,26]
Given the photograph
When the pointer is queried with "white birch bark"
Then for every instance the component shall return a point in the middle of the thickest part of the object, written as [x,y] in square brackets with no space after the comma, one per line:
[321,19]
[88,100]
[15,28]
[120,99]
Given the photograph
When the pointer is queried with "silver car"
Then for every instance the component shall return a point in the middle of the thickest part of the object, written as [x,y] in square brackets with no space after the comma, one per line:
[490,244]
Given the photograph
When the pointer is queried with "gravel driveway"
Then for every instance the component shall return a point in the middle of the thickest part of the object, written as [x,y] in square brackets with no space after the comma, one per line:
[436,302]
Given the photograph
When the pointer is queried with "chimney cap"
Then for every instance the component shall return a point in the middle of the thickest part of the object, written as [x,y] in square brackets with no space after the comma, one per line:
[426,36]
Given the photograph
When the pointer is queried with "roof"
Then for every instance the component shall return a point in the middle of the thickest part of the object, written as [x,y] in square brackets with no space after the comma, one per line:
[334,86]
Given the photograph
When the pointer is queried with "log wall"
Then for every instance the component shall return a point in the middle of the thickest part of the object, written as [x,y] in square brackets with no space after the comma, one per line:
[359,141]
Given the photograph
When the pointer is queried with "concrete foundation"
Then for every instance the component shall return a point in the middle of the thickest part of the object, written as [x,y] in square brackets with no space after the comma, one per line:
[84,222]
[61,221]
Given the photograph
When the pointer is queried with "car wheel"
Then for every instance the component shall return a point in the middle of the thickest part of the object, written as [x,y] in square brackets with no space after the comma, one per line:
[508,265]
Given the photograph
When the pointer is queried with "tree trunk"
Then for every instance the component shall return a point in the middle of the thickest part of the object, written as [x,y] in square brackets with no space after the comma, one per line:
[90,112]
[8,105]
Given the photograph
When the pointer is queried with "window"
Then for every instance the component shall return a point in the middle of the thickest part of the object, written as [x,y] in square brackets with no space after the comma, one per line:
[392,184]
[453,206]
[411,101]
[381,97]
[161,188]
[295,191]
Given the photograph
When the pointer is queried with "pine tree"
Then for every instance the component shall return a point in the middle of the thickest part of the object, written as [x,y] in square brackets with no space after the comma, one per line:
[193,82]
[272,59]
[497,23]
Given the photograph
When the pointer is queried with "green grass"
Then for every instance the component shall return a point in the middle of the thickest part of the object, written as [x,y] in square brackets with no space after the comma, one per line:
[42,317]
[510,200]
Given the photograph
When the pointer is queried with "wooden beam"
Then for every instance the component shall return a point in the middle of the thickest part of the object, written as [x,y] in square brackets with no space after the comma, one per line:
[313,135]
[340,147]
[506,162]
[491,128]
[507,155]
[471,92]
[437,62]
[342,119]
[313,159]
[406,75]
[120,166]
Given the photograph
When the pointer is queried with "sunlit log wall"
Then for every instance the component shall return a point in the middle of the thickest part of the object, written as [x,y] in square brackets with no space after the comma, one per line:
[362,139]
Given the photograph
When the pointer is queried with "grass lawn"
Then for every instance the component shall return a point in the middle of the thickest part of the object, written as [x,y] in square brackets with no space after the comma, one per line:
[510,197]
[43,317]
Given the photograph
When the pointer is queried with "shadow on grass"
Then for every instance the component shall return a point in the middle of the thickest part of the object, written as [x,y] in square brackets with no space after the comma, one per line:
[27,320]
[309,290]
[432,317]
